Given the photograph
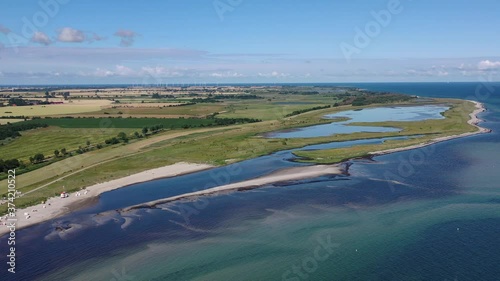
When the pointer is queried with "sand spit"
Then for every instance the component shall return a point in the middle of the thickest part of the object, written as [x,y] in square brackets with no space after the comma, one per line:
[290,174]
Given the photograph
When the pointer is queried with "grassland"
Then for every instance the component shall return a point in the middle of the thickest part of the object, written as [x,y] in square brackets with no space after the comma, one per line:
[46,140]
[264,110]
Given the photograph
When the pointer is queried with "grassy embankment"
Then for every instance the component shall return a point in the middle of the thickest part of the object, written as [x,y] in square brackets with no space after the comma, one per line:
[219,146]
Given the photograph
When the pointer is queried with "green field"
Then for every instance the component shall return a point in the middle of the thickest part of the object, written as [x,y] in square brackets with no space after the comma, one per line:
[264,110]
[46,140]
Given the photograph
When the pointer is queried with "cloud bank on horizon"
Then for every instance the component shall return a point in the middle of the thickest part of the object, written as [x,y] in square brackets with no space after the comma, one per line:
[229,41]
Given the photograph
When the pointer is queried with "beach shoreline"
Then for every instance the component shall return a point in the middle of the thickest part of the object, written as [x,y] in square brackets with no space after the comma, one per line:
[56,207]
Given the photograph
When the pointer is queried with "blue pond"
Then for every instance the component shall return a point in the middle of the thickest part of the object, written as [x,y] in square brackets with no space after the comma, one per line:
[384,114]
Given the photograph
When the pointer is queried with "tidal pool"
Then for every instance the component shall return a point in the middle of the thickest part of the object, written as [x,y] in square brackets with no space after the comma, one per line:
[380,114]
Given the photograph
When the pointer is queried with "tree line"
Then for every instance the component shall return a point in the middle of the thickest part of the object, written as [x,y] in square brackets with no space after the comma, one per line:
[297,112]
[12,130]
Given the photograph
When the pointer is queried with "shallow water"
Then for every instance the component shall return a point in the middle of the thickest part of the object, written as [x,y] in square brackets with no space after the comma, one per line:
[407,113]
[427,214]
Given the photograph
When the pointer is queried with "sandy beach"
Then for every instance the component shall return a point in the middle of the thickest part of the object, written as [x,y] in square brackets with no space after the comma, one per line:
[290,174]
[55,207]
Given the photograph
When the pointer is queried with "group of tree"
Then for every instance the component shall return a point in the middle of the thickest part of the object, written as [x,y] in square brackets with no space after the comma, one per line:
[380,98]
[121,137]
[218,98]
[38,158]
[158,96]
[232,121]
[297,112]
[24,102]
[111,141]
[205,100]
[62,152]
[12,130]
[18,102]
[290,92]
[10,164]
[152,129]
[239,97]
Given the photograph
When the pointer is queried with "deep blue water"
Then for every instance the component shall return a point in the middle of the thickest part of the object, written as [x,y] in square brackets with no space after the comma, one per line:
[426,214]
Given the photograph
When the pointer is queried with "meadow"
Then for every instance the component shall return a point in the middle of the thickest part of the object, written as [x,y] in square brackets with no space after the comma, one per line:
[46,140]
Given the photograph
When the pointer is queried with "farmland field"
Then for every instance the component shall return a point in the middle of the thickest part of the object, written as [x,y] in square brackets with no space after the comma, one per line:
[54,109]
[5,121]
[196,110]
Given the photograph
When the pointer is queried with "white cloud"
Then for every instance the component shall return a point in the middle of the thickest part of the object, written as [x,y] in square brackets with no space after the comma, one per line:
[161,72]
[227,74]
[71,35]
[103,73]
[127,37]
[274,74]
[119,70]
[124,71]
[488,65]
[41,38]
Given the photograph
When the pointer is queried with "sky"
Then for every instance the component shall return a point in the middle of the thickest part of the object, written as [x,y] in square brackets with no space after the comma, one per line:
[248,41]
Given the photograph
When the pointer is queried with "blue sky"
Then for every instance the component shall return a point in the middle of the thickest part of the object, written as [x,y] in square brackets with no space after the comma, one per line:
[239,41]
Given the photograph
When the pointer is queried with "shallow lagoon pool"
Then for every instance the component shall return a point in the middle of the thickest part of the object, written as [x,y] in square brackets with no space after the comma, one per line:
[380,114]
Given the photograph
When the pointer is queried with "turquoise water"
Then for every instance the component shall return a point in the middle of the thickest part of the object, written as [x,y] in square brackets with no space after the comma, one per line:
[408,113]
[427,214]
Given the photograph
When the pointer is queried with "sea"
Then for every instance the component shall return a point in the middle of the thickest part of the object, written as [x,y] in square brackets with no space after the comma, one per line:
[431,213]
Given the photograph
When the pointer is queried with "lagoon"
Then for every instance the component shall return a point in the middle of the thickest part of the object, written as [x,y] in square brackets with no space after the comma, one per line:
[381,114]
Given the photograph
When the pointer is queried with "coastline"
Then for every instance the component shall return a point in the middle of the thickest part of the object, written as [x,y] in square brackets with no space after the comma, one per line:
[56,207]
[474,121]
